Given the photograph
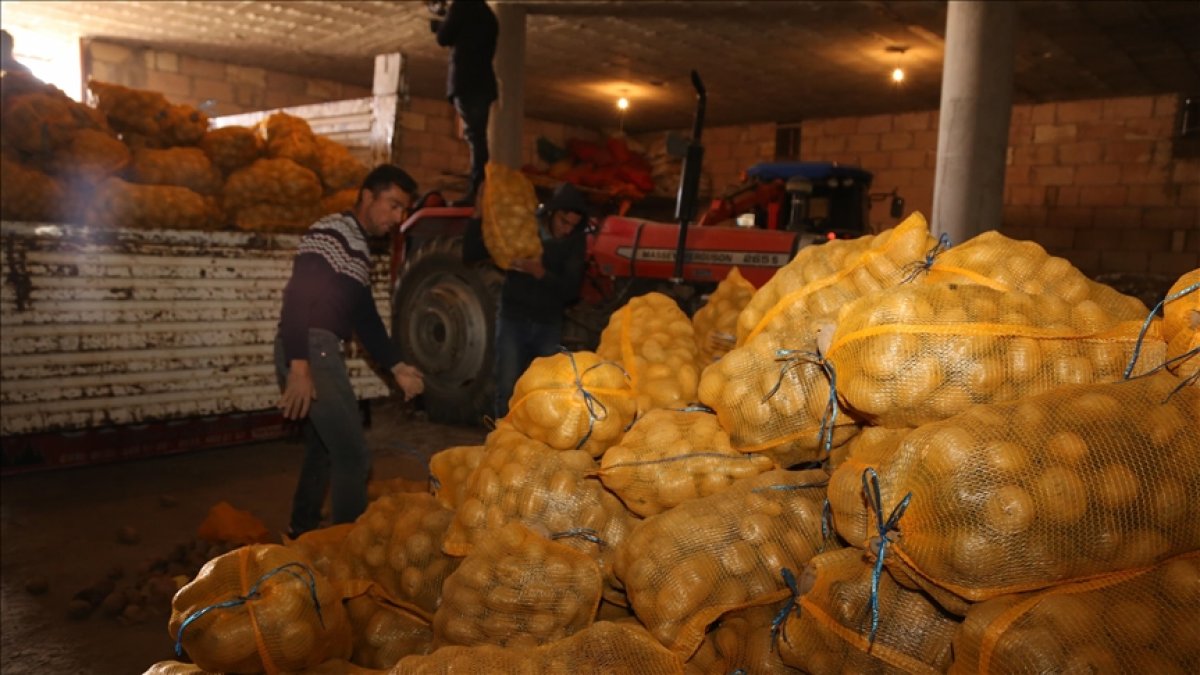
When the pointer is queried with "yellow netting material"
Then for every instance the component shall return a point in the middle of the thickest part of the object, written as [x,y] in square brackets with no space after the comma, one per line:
[829,632]
[524,480]
[121,204]
[1081,481]
[146,116]
[339,169]
[510,227]
[320,548]
[276,629]
[449,471]
[43,119]
[281,182]
[573,401]
[671,456]
[518,589]
[385,631]
[1140,621]
[741,640]
[603,649]
[185,167]
[29,194]
[918,353]
[849,510]
[396,544]
[685,567]
[89,156]
[715,324]
[290,137]
[1181,326]
[654,340]
[231,148]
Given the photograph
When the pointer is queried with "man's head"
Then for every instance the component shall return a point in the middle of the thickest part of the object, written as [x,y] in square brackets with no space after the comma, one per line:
[6,45]
[565,210]
[384,199]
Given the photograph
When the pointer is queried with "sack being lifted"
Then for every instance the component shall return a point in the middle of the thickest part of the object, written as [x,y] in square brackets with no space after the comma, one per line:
[510,227]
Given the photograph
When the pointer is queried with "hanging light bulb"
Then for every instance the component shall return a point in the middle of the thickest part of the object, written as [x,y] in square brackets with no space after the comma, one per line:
[897,71]
[898,75]
[623,104]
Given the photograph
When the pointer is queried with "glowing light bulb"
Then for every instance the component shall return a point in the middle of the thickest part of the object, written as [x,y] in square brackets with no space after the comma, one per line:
[898,75]
[622,103]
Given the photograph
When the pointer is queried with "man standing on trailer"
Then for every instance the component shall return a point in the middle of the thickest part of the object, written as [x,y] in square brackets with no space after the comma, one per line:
[328,300]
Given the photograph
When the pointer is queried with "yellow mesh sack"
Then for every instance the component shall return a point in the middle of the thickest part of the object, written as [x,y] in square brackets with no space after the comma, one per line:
[715,324]
[918,353]
[272,181]
[385,631]
[330,667]
[396,544]
[185,167]
[149,115]
[175,668]
[1181,326]
[671,456]
[290,137]
[342,200]
[573,401]
[685,567]
[380,487]
[319,548]
[89,156]
[231,148]
[741,640]
[259,609]
[524,480]
[449,471]
[773,397]
[184,125]
[121,204]
[654,341]
[31,195]
[339,169]
[518,588]
[831,630]
[42,118]
[276,217]
[510,227]
[1139,621]
[849,510]
[604,648]
[1081,481]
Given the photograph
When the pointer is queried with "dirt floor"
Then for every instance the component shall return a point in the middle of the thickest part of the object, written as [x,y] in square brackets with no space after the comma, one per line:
[62,527]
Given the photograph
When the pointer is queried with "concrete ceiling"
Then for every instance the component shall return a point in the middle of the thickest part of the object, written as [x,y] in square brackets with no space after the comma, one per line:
[779,61]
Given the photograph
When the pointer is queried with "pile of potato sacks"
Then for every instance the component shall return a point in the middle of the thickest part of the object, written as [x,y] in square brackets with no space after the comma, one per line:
[136,160]
[994,495]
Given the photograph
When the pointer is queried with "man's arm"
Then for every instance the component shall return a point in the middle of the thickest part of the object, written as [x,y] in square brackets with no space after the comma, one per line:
[474,250]
[370,330]
[310,273]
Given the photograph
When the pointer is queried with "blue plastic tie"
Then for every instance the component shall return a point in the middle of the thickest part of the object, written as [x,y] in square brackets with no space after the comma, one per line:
[788,607]
[695,408]
[787,358]
[1137,348]
[595,407]
[434,483]
[252,594]
[826,518]
[914,269]
[795,486]
[870,481]
[585,533]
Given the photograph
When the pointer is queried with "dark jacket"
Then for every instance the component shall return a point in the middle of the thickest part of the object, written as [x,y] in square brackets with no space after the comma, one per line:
[470,30]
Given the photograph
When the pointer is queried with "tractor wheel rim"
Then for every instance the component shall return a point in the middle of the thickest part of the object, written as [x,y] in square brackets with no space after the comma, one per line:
[448,331]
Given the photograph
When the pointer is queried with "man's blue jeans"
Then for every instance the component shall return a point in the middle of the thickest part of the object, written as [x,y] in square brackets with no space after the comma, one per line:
[518,343]
[336,457]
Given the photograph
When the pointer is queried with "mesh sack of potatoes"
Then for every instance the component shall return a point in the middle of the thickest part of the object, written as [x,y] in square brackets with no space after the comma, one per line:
[525,480]
[996,261]
[340,201]
[774,398]
[830,631]
[510,227]
[1181,326]
[185,167]
[381,487]
[272,181]
[395,544]
[31,195]
[685,567]
[41,120]
[573,401]
[1139,621]
[275,217]
[848,507]
[290,137]
[231,148]
[339,169]
[147,116]
[715,324]
[741,641]
[518,588]
[319,548]
[918,353]
[330,667]
[449,470]
[183,125]
[385,631]
[671,456]
[88,156]
[120,204]
[260,609]
[1077,482]
[654,341]
[604,648]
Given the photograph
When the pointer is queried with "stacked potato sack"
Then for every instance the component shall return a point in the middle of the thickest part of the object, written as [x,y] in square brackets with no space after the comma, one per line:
[290,137]
[339,169]
[573,401]
[185,167]
[1181,326]
[340,173]
[510,227]
[654,341]
[449,471]
[267,611]
[715,324]
[273,194]
[320,548]
[671,456]
[741,640]
[1142,621]
[232,148]
[384,633]
[146,118]
[117,202]
[684,568]
[30,194]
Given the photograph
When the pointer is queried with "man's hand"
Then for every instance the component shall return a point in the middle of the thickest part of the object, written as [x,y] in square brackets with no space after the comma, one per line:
[411,381]
[530,266]
[299,393]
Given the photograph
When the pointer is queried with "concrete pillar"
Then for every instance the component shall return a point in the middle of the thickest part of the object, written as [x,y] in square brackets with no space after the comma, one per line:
[505,137]
[977,76]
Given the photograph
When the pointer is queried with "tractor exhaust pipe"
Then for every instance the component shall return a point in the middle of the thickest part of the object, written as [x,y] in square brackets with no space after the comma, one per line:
[689,181]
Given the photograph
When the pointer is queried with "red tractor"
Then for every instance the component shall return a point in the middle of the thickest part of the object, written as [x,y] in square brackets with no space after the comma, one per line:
[443,311]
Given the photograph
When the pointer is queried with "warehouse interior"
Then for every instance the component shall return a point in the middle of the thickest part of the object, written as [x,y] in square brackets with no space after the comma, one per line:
[1100,167]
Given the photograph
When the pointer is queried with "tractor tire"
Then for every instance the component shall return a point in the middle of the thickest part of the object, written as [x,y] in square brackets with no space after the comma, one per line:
[444,322]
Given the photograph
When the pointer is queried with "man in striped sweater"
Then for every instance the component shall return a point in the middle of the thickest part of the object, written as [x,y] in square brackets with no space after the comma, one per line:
[328,300]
